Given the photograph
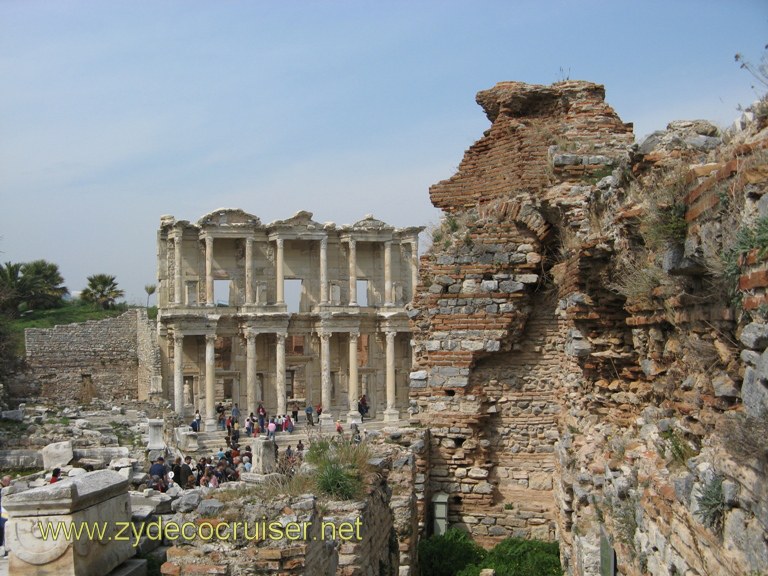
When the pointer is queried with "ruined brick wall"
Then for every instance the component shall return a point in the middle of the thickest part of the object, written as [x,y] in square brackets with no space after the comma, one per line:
[77,363]
[490,371]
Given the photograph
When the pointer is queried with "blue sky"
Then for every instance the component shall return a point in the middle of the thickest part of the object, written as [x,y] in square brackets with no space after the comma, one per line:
[115,113]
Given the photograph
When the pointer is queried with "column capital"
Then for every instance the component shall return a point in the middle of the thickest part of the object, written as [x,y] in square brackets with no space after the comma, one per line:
[250,336]
[354,335]
[324,241]
[324,335]
[210,338]
[178,337]
[390,334]
[281,336]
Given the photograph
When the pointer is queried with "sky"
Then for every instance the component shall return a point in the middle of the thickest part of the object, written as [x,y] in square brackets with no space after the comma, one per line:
[114,113]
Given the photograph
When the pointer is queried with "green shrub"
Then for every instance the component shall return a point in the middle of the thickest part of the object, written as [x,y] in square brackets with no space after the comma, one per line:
[446,555]
[712,504]
[338,481]
[318,450]
[517,557]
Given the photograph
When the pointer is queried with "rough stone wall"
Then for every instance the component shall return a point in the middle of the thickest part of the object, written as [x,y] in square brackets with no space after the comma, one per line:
[103,359]
[651,380]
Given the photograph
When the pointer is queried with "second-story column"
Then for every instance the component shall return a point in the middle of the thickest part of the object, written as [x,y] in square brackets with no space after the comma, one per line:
[249,270]
[210,383]
[325,378]
[177,284]
[279,274]
[388,274]
[324,271]
[178,372]
[352,272]
[250,373]
[209,271]
[391,414]
[353,417]
[280,373]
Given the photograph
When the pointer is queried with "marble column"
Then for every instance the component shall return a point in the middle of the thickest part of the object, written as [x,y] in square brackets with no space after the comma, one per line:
[414,267]
[391,414]
[324,270]
[388,273]
[210,383]
[280,275]
[325,378]
[353,417]
[209,271]
[352,273]
[177,284]
[178,372]
[249,270]
[280,370]
[251,376]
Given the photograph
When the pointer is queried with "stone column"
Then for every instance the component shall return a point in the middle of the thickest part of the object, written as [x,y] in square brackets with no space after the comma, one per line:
[279,272]
[388,273]
[352,273]
[353,417]
[210,383]
[280,369]
[324,270]
[414,267]
[249,270]
[391,414]
[250,382]
[325,375]
[177,285]
[178,372]
[209,271]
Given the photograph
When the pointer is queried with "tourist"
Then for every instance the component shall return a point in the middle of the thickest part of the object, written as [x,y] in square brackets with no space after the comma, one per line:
[248,427]
[288,424]
[271,427]
[228,422]
[236,414]
[176,469]
[289,452]
[262,413]
[319,410]
[300,448]
[247,463]
[185,474]
[279,422]
[55,475]
[6,481]
[295,411]
[339,428]
[158,474]
[308,411]
[362,407]
[221,454]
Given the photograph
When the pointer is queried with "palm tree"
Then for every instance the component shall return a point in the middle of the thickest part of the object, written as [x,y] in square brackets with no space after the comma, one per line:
[102,290]
[46,280]
[149,289]
[15,287]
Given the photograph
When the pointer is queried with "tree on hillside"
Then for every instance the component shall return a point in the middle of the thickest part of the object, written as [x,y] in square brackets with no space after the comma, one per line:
[46,282]
[102,290]
[15,288]
[36,284]
[149,289]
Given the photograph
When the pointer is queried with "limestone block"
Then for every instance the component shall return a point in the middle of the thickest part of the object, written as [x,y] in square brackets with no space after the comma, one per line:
[540,481]
[17,415]
[754,394]
[210,507]
[90,498]
[478,473]
[724,386]
[263,456]
[57,455]
[187,502]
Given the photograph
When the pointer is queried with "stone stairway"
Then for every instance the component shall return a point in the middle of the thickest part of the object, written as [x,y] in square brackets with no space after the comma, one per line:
[210,442]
